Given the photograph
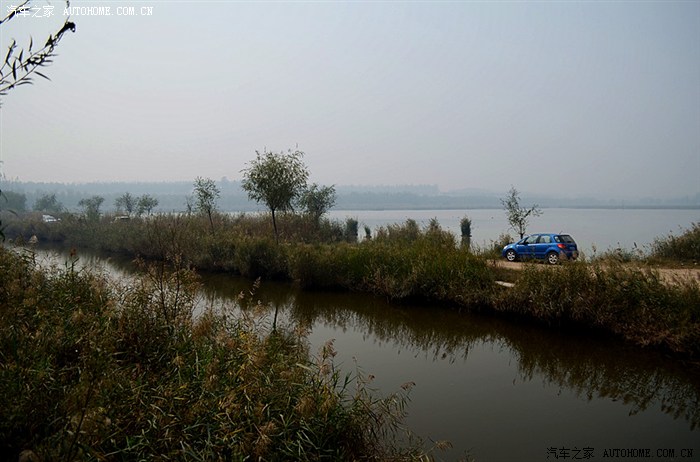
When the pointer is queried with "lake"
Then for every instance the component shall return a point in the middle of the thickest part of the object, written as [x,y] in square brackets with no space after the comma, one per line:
[593,229]
[498,390]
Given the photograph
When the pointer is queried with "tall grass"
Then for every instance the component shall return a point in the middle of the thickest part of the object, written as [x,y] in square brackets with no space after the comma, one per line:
[402,262]
[91,371]
[630,301]
[685,247]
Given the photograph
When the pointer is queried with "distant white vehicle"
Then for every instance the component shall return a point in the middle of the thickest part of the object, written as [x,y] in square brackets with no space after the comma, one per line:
[49,219]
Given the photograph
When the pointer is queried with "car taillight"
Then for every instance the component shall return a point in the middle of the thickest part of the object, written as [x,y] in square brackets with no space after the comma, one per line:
[561,246]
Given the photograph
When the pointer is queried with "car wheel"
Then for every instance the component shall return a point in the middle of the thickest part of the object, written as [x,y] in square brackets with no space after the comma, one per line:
[511,256]
[552,258]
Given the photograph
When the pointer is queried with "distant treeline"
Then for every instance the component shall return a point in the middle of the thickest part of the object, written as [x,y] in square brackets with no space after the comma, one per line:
[172,197]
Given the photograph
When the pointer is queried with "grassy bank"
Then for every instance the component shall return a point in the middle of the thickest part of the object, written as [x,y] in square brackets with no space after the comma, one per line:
[633,302]
[672,251]
[684,248]
[90,371]
[405,262]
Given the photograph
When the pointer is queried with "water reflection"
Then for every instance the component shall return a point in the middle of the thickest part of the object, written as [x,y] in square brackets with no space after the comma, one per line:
[599,368]
[606,369]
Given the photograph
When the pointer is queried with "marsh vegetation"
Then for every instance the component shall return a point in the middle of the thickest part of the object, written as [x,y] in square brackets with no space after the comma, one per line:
[406,262]
[91,370]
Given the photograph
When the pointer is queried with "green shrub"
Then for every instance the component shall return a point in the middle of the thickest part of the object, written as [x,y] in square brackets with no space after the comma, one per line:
[496,247]
[351,228]
[316,267]
[260,257]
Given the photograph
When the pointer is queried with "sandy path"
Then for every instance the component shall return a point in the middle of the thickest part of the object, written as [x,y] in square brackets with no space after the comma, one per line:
[669,275]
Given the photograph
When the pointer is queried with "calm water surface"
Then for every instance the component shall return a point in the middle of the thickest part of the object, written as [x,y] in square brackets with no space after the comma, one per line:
[497,389]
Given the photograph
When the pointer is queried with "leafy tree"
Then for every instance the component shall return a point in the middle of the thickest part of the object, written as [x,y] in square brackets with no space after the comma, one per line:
[146,204]
[277,180]
[20,65]
[126,202]
[518,216]
[48,203]
[206,194]
[15,202]
[316,201]
[91,207]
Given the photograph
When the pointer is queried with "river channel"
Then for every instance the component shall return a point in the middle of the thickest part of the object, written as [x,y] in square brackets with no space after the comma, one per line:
[497,389]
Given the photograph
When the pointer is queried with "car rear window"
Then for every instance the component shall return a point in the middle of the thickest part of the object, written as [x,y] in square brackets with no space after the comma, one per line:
[566,239]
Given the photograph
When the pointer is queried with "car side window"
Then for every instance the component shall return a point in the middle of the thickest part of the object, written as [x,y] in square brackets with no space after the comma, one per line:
[530,240]
[544,239]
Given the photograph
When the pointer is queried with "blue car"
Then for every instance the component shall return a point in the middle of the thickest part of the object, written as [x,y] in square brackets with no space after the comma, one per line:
[544,246]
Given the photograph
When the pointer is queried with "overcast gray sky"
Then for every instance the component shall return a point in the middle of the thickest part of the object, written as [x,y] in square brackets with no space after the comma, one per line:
[590,98]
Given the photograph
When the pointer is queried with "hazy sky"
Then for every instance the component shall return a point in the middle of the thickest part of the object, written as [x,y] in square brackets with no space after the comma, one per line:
[589,98]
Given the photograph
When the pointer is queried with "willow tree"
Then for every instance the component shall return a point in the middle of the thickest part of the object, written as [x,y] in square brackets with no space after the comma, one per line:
[277,180]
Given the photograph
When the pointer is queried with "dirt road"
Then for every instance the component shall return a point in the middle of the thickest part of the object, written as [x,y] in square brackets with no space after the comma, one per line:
[669,275]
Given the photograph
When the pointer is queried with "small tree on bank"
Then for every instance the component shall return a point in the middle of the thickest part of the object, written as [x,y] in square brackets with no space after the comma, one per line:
[126,202]
[317,200]
[146,204]
[91,207]
[518,217]
[206,194]
[277,180]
